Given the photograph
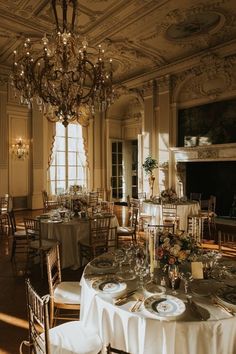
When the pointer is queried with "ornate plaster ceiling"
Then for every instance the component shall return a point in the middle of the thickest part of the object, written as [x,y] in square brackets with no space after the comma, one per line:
[141,36]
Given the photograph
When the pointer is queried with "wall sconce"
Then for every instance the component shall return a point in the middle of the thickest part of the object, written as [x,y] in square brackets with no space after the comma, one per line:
[20,150]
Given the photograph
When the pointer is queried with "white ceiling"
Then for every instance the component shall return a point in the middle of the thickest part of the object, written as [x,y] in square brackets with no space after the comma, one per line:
[141,36]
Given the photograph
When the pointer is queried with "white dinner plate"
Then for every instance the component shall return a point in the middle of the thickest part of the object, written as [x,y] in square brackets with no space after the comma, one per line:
[54,221]
[112,286]
[165,307]
[153,288]
[103,264]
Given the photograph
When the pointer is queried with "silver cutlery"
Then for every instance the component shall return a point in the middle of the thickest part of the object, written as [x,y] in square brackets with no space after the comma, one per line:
[222,307]
[122,299]
[137,304]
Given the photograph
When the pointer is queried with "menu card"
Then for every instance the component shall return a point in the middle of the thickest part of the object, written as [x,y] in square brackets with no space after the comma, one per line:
[197,270]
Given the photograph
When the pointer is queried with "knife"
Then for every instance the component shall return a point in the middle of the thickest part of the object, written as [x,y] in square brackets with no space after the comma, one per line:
[224,308]
[122,299]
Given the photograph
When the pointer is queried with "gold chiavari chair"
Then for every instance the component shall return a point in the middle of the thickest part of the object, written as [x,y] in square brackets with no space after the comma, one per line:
[124,233]
[64,295]
[49,204]
[97,242]
[36,246]
[70,337]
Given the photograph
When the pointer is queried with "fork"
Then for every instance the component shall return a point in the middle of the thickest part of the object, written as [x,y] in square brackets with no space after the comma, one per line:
[137,304]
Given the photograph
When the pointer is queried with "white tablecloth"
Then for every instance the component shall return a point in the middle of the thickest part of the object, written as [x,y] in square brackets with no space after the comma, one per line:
[68,234]
[183,211]
[142,333]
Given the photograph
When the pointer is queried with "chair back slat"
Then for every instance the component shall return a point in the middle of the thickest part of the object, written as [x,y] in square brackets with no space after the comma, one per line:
[32,228]
[99,231]
[4,224]
[53,268]
[93,199]
[38,318]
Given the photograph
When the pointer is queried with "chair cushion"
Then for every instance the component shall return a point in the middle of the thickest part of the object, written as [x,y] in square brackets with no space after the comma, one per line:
[20,233]
[67,292]
[123,230]
[46,244]
[74,338]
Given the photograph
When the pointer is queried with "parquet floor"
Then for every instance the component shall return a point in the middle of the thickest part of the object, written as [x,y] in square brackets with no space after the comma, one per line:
[13,316]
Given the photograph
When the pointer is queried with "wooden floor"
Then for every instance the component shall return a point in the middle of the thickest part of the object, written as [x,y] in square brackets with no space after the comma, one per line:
[13,318]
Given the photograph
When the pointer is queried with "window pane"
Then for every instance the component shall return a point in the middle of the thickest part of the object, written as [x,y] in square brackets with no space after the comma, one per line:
[60,130]
[81,159]
[71,158]
[119,159]
[113,170]
[53,187]
[120,170]
[53,173]
[61,185]
[80,172]
[120,147]
[61,172]
[113,159]
[71,144]
[60,144]
[71,172]
[61,158]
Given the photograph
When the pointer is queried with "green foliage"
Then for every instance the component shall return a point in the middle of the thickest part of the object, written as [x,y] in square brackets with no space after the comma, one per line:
[150,164]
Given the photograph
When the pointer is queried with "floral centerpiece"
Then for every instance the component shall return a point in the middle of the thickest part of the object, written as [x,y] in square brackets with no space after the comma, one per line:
[176,248]
[79,204]
[75,188]
[169,195]
[149,165]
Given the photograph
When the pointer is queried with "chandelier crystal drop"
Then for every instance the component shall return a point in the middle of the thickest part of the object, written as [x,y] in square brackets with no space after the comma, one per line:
[63,75]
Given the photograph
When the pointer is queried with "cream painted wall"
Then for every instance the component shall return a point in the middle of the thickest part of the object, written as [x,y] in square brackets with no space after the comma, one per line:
[19,183]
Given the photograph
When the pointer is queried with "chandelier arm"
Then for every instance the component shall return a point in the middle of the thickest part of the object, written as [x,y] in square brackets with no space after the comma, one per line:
[74,14]
[63,78]
[53,4]
[64,9]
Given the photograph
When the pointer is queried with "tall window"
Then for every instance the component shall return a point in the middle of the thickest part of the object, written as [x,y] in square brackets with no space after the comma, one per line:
[117,170]
[68,165]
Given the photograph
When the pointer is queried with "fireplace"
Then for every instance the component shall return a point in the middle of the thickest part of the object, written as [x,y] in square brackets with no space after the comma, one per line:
[216,178]
[209,170]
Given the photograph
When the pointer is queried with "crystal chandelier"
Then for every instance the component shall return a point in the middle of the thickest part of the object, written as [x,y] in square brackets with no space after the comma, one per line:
[62,75]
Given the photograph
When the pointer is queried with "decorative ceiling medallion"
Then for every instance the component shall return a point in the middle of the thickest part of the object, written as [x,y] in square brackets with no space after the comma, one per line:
[194,25]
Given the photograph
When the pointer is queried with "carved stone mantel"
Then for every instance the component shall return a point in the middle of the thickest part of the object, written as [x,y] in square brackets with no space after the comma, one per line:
[220,152]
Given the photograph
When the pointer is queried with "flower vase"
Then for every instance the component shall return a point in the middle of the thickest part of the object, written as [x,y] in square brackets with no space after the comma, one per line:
[151,181]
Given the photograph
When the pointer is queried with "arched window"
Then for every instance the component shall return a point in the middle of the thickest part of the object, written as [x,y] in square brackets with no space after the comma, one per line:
[68,166]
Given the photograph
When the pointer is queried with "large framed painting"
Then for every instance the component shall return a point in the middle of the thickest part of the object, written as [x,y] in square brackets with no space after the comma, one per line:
[213,123]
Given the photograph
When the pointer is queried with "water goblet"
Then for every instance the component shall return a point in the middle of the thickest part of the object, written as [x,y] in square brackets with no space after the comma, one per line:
[174,276]
[119,258]
[187,277]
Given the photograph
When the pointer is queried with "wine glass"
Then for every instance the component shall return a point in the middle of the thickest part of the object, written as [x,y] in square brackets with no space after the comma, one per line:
[142,269]
[173,274]
[119,258]
[187,277]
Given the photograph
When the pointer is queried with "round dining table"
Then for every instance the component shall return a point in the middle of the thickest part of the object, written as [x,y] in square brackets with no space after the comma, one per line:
[184,209]
[144,331]
[69,233]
